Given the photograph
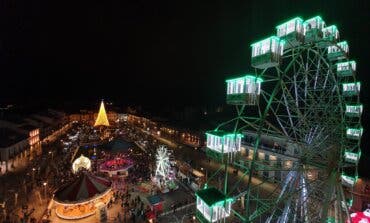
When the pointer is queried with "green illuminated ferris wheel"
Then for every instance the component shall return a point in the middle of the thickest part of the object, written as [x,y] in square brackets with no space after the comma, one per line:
[296,136]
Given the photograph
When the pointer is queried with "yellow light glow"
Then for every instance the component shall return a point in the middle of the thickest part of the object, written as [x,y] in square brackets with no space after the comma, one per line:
[81,162]
[102,119]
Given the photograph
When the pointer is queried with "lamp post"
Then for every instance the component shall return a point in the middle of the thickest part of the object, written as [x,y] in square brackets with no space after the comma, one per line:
[33,174]
[206,172]
[45,185]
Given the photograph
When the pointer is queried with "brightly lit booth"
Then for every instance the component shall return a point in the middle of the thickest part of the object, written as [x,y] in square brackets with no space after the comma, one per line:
[82,197]
[313,29]
[267,52]
[330,35]
[338,51]
[243,90]
[351,89]
[212,205]
[291,32]
[117,167]
[220,143]
[346,69]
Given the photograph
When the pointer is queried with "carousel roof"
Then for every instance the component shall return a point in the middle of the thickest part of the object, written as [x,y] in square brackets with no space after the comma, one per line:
[86,187]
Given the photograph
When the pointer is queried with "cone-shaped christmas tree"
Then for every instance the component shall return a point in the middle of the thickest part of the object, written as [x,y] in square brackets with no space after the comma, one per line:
[102,119]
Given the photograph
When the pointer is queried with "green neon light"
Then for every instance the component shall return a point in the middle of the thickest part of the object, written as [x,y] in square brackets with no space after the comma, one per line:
[355,130]
[316,17]
[354,84]
[346,63]
[289,21]
[350,202]
[221,133]
[343,43]
[355,178]
[355,108]
[248,76]
[269,38]
[332,28]
[352,155]
[221,203]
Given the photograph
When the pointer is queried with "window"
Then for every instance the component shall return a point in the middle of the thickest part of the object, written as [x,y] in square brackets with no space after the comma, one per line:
[240,86]
[290,27]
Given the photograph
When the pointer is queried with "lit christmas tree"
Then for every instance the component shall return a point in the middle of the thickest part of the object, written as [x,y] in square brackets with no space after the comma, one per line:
[102,119]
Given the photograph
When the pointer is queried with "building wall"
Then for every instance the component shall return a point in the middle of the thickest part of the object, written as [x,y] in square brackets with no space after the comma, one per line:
[361,195]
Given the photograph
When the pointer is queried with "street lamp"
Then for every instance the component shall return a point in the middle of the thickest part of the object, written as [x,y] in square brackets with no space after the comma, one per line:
[33,174]
[45,184]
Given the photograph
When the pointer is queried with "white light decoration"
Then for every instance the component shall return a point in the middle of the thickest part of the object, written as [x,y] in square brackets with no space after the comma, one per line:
[163,163]
[243,90]
[314,23]
[346,66]
[348,181]
[353,133]
[352,157]
[81,163]
[213,205]
[330,32]
[350,89]
[293,25]
[340,47]
[223,142]
[268,45]
[354,110]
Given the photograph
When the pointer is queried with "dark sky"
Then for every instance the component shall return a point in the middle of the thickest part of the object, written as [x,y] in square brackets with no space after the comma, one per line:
[142,52]
[151,52]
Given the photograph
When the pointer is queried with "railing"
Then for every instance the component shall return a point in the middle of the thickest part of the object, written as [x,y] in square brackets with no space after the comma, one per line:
[280,150]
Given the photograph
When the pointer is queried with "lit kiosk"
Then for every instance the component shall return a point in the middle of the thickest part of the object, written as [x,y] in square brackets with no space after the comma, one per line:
[219,143]
[266,53]
[354,133]
[291,32]
[338,51]
[351,89]
[346,69]
[243,90]
[212,205]
[354,110]
[330,35]
[348,180]
[313,29]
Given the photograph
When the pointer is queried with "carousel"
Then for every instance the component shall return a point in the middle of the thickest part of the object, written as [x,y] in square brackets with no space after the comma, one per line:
[82,197]
[117,167]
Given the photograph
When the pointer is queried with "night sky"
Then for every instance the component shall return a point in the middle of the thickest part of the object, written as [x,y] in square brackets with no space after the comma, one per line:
[150,52]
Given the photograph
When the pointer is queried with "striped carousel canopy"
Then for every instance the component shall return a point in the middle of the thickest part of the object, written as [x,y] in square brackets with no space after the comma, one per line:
[85,188]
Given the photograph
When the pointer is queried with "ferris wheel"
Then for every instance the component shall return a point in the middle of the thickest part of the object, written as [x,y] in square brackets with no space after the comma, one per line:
[163,163]
[299,113]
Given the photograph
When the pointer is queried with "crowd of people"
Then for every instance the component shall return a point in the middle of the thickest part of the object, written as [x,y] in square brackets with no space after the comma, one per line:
[38,179]
[52,169]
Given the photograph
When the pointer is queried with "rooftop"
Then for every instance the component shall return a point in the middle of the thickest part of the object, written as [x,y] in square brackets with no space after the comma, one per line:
[28,127]
[9,137]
